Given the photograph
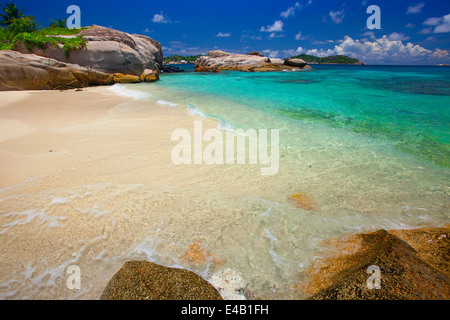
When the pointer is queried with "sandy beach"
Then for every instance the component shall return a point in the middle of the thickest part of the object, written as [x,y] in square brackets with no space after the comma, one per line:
[87,180]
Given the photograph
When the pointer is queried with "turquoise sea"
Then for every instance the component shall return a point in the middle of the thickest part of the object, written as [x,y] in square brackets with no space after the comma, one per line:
[371,144]
[408,106]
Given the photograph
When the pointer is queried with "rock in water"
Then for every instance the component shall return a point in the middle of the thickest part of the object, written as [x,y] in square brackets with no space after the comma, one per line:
[304,201]
[299,63]
[143,280]
[407,272]
[219,60]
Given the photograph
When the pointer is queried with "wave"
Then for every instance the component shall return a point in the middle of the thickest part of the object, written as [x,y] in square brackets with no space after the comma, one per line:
[168,103]
[194,111]
[123,91]
[222,124]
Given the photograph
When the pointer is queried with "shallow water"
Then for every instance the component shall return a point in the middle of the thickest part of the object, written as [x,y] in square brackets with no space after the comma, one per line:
[372,155]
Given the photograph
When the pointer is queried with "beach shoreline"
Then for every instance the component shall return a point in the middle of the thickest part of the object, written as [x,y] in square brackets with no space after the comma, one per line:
[88,180]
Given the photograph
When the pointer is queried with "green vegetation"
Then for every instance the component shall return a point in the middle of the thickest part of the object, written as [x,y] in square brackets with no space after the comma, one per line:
[41,41]
[339,59]
[10,13]
[176,58]
[20,28]
[58,23]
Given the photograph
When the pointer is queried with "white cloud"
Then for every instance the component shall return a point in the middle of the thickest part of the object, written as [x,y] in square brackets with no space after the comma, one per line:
[426,30]
[160,18]
[410,25]
[223,35]
[444,26]
[282,53]
[369,34]
[299,36]
[276,27]
[291,11]
[337,16]
[441,54]
[275,35]
[432,21]
[384,50]
[322,42]
[417,8]
[395,36]
[379,51]
[440,24]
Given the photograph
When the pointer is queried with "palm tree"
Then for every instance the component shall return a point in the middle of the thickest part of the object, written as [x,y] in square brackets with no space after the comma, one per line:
[11,13]
[58,23]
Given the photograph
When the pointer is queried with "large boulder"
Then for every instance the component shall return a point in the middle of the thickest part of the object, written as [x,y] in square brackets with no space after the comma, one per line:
[31,72]
[108,50]
[299,63]
[412,265]
[143,280]
[220,60]
[255,53]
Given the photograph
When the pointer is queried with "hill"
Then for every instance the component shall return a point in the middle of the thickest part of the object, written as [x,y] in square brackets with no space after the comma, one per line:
[339,59]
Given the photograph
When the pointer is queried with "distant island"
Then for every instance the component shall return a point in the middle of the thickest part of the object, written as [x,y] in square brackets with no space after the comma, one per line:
[177,59]
[339,59]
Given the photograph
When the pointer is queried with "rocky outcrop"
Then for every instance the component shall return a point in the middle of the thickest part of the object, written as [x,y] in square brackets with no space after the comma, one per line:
[255,53]
[412,264]
[220,60]
[276,61]
[109,51]
[31,72]
[299,63]
[143,280]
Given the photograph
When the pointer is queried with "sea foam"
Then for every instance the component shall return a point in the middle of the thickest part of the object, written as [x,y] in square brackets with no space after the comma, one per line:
[123,91]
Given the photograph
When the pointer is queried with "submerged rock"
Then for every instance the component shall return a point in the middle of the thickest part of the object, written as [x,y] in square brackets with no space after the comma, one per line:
[220,60]
[143,280]
[304,201]
[413,264]
[196,256]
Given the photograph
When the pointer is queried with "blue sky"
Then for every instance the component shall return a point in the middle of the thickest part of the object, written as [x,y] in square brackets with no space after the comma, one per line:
[412,32]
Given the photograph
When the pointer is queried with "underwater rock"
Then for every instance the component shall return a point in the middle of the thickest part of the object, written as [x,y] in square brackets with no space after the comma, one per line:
[304,201]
